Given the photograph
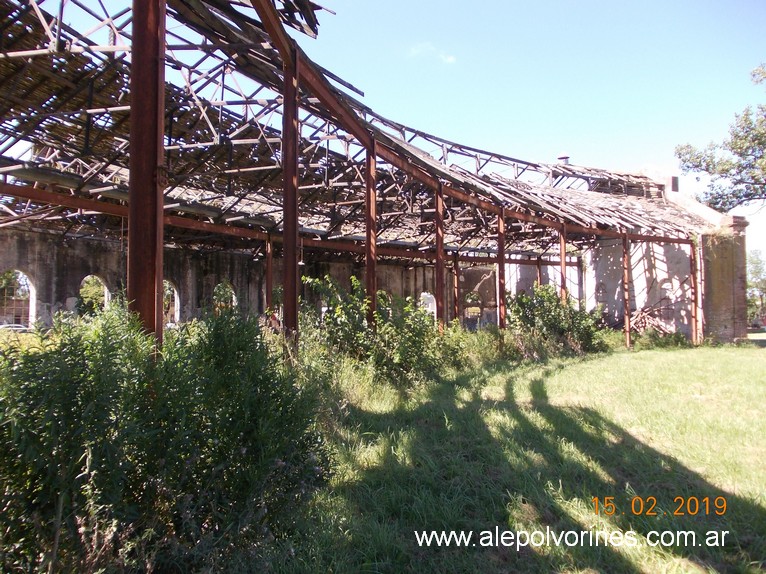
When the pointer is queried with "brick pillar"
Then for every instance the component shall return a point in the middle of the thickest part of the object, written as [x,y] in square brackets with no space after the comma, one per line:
[725,281]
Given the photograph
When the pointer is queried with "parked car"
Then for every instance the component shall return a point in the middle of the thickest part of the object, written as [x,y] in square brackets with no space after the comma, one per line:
[18,328]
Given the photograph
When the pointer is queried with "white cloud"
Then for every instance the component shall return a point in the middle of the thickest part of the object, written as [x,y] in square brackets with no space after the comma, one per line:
[428,50]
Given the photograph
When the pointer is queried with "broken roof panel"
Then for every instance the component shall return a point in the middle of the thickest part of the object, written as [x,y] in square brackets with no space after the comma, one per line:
[65,92]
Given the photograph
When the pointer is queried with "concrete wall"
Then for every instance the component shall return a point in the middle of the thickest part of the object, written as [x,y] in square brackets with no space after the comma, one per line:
[660,281]
[660,278]
[56,268]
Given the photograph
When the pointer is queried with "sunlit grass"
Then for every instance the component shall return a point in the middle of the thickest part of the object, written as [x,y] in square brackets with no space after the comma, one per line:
[528,447]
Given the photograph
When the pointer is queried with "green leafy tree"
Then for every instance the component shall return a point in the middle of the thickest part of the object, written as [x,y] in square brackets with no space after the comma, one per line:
[14,284]
[756,283]
[737,166]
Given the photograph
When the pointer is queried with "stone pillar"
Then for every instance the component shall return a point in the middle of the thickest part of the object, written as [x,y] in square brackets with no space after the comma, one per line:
[725,281]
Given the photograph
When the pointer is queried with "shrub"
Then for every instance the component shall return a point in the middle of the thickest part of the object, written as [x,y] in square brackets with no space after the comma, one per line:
[404,343]
[653,339]
[544,317]
[114,458]
[344,321]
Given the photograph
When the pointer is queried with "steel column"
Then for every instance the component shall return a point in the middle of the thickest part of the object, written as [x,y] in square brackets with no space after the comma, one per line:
[371,231]
[501,269]
[439,271]
[693,267]
[626,287]
[269,275]
[290,152]
[563,261]
[539,264]
[456,286]
[147,171]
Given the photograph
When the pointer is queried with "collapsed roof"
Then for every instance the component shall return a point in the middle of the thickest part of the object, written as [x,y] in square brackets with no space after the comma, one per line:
[64,95]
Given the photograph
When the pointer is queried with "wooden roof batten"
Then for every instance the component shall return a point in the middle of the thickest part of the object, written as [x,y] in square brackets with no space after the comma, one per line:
[543,208]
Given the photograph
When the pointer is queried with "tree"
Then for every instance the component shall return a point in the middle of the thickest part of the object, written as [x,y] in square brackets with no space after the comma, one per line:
[738,165]
[756,283]
[14,284]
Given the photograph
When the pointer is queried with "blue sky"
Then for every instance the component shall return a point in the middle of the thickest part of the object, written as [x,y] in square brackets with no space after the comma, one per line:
[613,84]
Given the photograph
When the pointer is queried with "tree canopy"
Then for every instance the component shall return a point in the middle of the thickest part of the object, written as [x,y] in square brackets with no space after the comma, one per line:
[738,165]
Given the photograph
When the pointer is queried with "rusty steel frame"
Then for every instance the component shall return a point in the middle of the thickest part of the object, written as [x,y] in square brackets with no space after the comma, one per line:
[269,274]
[693,274]
[626,289]
[290,274]
[440,255]
[501,310]
[562,259]
[147,180]
[456,287]
[371,231]
[335,117]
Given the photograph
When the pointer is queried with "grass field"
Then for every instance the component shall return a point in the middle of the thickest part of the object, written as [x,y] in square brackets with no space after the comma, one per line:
[528,448]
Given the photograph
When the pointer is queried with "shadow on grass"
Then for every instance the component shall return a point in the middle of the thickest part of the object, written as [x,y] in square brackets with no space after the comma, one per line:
[460,460]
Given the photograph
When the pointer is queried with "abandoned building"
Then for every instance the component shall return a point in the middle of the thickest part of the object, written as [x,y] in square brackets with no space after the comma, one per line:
[173,148]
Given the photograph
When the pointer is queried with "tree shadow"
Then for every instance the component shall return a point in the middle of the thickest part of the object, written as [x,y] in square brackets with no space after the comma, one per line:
[466,458]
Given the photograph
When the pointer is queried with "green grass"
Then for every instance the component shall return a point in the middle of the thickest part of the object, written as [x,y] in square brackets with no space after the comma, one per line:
[528,447]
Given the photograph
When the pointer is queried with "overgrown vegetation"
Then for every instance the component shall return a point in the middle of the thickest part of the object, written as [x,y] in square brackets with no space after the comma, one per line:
[542,315]
[116,459]
[215,454]
[405,344]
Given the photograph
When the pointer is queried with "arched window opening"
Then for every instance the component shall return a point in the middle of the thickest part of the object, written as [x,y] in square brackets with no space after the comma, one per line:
[224,297]
[428,302]
[472,311]
[93,295]
[171,304]
[17,299]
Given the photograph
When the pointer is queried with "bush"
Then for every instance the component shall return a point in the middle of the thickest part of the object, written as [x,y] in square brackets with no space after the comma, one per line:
[653,339]
[113,458]
[404,343]
[543,317]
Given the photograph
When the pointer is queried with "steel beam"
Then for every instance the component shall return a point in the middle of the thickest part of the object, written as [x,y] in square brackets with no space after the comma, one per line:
[147,171]
[311,78]
[371,232]
[439,270]
[291,70]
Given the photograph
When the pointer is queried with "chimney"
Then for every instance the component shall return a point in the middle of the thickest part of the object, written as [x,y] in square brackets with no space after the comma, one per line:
[563,159]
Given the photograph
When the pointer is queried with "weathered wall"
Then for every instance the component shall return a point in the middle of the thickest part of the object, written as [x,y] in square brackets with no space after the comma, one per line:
[725,281]
[660,277]
[56,268]
[660,280]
